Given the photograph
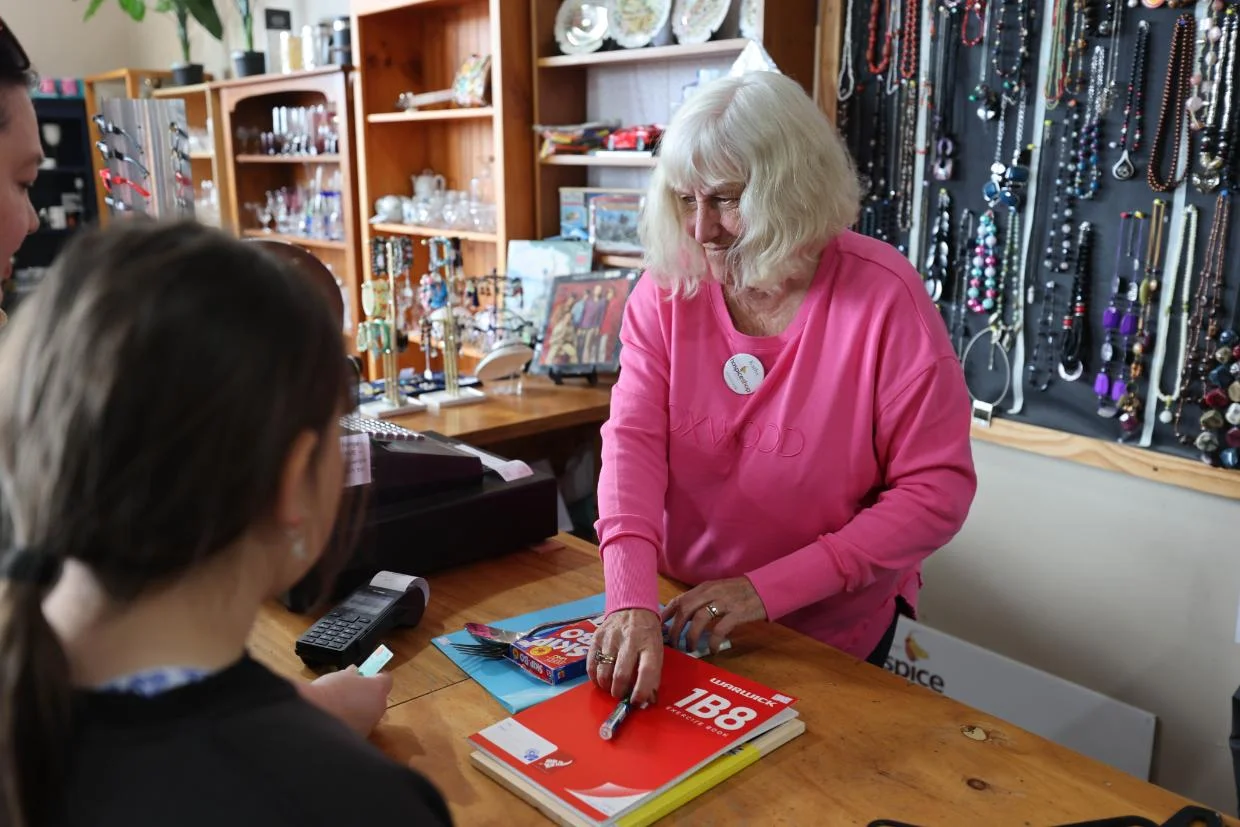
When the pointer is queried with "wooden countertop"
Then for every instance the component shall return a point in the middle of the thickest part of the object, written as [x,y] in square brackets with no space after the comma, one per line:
[875,746]
[542,406]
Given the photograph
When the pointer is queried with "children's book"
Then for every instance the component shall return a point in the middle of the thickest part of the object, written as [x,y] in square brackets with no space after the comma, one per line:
[702,713]
[514,688]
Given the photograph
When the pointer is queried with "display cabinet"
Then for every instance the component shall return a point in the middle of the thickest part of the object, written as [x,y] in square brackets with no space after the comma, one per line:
[289,169]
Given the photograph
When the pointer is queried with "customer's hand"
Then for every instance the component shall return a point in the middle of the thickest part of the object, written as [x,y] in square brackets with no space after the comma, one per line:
[357,700]
[735,601]
[634,637]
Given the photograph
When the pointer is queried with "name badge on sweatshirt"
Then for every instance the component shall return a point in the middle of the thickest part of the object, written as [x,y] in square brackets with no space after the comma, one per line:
[743,373]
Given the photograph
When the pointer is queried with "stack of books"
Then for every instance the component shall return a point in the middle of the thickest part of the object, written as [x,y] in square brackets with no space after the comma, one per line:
[707,725]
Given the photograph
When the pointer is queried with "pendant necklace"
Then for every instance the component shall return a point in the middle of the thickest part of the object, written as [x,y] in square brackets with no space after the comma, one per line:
[1109,384]
[985,98]
[1173,111]
[1134,108]
[1142,296]
[1188,245]
[943,85]
[1075,339]
[1220,60]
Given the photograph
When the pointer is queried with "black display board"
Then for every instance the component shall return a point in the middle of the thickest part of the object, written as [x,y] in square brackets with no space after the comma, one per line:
[944,94]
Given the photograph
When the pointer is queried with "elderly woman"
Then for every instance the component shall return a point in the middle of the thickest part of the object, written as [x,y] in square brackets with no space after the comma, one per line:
[790,430]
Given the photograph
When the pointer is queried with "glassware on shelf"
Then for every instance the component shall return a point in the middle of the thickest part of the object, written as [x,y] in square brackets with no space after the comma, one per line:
[301,130]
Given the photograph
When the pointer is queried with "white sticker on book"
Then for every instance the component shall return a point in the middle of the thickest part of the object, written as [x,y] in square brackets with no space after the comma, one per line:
[518,740]
[356,451]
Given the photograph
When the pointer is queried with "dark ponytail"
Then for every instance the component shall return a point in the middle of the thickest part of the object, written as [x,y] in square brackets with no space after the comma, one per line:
[153,385]
[34,685]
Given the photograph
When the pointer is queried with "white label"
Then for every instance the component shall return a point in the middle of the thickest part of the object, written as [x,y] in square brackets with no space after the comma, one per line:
[392,580]
[356,451]
[518,740]
[743,373]
[508,470]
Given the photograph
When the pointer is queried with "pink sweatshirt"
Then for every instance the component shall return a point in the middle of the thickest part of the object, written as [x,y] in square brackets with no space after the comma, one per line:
[826,487]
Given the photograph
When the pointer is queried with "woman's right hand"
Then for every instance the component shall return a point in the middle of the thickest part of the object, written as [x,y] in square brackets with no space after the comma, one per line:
[634,637]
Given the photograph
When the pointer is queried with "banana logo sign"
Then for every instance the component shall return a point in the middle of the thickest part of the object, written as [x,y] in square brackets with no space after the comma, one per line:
[906,667]
[913,650]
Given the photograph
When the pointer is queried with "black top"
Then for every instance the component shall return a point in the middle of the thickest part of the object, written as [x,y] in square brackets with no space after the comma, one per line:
[240,749]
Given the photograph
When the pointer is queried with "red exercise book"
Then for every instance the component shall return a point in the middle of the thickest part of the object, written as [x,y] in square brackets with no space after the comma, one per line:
[702,712]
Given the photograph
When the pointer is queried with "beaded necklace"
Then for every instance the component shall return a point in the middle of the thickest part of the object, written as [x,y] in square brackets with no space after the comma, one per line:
[1075,339]
[876,64]
[1220,61]
[1088,170]
[846,85]
[938,262]
[910,40]
[1117,320]
[1188,245]
[964,269]
[1173,111]
[1134,108]
[1142,294]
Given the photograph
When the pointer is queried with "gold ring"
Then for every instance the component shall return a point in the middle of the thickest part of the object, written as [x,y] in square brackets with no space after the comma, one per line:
[599,657]
[714,613]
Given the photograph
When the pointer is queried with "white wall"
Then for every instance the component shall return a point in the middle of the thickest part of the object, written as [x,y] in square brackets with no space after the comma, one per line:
[1125,586]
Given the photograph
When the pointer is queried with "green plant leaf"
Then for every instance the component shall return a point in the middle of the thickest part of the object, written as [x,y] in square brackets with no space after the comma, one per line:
[92,8]
[166,6]
[205,13]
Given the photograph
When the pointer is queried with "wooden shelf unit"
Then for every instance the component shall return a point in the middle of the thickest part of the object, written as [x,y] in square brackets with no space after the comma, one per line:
[618,83]
[246,104]
[202,111]
[418,46]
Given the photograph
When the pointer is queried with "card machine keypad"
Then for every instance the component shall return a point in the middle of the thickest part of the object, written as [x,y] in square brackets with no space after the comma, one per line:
[351,631]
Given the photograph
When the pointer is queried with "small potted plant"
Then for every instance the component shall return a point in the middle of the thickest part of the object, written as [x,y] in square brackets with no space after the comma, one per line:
[247,62]
[187,72]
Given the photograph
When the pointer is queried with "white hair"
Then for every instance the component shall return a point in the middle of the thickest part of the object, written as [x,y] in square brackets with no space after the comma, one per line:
[759,130]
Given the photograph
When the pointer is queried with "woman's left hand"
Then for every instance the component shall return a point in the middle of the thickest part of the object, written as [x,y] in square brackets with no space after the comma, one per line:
[734,601]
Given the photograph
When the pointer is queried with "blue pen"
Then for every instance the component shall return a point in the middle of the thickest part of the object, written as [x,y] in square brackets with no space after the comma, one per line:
[608,730]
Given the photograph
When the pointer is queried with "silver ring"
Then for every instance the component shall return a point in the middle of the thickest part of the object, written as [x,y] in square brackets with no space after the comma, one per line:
[599,657]
[710,607]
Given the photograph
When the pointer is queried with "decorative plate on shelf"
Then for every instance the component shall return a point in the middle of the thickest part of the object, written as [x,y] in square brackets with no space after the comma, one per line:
[581,26]
[751,19]
[695,21]
[634,23]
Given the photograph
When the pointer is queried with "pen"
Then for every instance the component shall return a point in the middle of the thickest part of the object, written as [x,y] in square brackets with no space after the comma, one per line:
[617,716]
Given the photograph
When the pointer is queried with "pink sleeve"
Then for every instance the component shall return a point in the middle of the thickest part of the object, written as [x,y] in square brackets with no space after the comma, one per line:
[921,439]
[632,482]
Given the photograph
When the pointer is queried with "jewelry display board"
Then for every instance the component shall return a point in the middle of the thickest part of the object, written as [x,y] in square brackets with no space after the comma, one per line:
[144,151]
[1060,172]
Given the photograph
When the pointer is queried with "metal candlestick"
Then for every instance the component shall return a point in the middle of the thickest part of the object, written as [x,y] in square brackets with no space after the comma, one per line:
[378,333]
[445,256]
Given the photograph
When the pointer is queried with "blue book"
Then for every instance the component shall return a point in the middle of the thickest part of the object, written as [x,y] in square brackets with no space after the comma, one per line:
[514,688]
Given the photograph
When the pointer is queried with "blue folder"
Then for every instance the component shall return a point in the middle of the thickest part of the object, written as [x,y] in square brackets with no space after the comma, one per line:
[508,683]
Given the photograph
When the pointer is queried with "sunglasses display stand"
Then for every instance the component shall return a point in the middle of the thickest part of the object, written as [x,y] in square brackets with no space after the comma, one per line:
[144,147]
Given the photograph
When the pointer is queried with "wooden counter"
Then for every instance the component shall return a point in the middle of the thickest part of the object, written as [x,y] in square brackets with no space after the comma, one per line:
[542,407]
[875,746]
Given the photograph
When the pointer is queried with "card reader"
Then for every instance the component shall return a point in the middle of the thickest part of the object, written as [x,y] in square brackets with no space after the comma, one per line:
[350,632]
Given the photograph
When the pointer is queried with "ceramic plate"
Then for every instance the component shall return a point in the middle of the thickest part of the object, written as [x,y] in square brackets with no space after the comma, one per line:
[694,21]
[581,26]
[634,23]
[751,19]
[503,361]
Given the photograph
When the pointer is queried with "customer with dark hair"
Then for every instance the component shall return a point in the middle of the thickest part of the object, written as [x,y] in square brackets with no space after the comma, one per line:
[21,152]
[169,460]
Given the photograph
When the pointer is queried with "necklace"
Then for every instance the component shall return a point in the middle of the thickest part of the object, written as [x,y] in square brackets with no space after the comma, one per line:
[910,40]
[964,268]
[1134,108]
[1173,111]
[938,264]
[1075,327]
[847,83]
[1188,244]
[977,10]
[1206,337]
[876,64]
[1220,60]
[1110,385]
[1142,295]
[1013,75]
[942,99]
[1059,64]
[983,292]
[1088,170]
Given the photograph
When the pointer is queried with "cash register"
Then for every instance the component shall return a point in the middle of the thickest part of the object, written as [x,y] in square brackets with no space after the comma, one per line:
[431,502]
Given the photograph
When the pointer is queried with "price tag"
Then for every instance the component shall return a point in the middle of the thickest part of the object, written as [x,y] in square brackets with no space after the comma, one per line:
[355,449]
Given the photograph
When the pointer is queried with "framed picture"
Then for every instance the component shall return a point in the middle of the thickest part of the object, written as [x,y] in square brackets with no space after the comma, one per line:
[582,332]
[613,224]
